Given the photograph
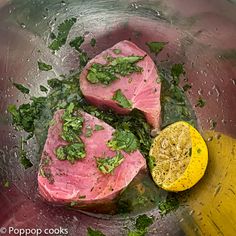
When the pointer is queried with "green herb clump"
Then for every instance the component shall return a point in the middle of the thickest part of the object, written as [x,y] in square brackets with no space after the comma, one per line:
[93,42]
[156,47]
[143,222]
[94,232]
[76,43]
[174,104]
[123,140]
[121,99]
[107,164]
[171,203]
[63,31]
[21,88]
[106,74]
[43,66]
[71,129]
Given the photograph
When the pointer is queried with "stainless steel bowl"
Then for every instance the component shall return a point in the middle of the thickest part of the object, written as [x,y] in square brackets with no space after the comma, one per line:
[201,34]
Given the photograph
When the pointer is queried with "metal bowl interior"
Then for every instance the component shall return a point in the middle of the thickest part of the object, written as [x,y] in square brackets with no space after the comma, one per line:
[201,34]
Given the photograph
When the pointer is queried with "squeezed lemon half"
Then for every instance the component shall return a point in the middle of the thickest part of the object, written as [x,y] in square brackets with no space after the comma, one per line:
[178,157]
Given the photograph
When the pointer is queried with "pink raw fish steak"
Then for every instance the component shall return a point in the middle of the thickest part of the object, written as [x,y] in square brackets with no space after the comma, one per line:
[82,182]
[142,89]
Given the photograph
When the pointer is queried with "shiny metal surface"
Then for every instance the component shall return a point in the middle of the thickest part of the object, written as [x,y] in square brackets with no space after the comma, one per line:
[201,34]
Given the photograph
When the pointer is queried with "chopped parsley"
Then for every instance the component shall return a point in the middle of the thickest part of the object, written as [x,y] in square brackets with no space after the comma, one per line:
[142,223]
[156,47]
[117,51]
[21,88]
[121,99]
[63,31]
[171,203]
[71,129]
[176,71]
[107,164]
[123,140]
[73,203]
[43,66]
[200,103]
[43,89]
[174,104]
[23,156]
[83,59]
[6,184]
[186,87]
[106,74]
[89,132]
[76,43]
[93,42]
[24,116]
[94,232]
[98,127]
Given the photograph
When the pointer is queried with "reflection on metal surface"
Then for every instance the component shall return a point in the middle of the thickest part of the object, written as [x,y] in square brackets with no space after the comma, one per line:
[201,34]
[212,201]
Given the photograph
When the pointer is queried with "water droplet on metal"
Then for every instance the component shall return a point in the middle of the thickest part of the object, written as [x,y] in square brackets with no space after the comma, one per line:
[209,139]
[23,25]
[191,212]
[217,190]
[200,92]
[223,121]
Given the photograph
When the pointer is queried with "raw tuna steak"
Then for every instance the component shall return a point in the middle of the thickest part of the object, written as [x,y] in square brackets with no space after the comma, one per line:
[142,89]
[82,182]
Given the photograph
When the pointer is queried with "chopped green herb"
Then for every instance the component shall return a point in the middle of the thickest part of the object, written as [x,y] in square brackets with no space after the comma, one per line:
[136,233]
[121,99]
[71,152]
[54,83]
[83,58]
[24,116]
[23,156]
[93,42]
[199,150]
[22,88]
[142,224]
[174,104]
[63,31]
[71,129]
[43,89]
[186,87]
[107,164]
[82,197]
[200,103]
[89,132]
[73,203]
[99,127]
[176,71]
[123,140]
[94,232]
[76,43]
[43,66]
[6,184]
[117,51]
[171,203]
[156,47]
[151,162]
[106,74]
